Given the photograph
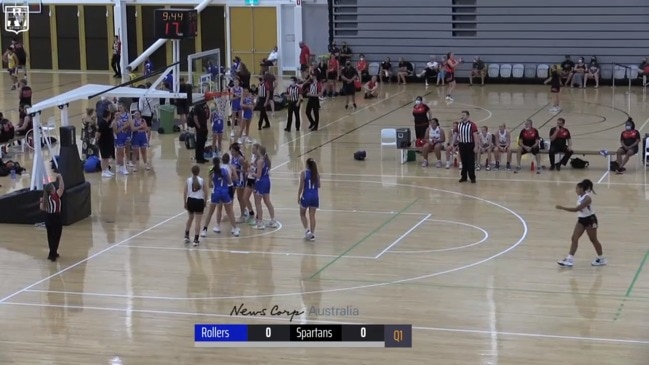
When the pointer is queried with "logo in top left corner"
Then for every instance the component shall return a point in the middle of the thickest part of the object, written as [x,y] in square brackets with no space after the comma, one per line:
[16,18]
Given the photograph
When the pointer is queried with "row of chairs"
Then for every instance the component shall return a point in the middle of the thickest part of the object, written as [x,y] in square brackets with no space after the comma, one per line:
[519,71]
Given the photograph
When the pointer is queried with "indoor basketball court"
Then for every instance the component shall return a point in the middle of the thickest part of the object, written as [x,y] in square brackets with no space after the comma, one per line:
[471,267]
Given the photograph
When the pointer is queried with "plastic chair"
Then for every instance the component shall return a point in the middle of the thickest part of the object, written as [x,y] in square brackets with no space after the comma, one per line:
[518,71]
[389,137]
[505,71]
[542,71]
[373,69]
[493,71]
[619,72]
[530,71]
[606,72]
[633,72]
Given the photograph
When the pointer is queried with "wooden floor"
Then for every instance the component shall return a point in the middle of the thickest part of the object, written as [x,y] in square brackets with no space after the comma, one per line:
[471,267]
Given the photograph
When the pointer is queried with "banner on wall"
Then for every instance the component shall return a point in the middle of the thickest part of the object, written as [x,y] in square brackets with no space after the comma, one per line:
[252,2]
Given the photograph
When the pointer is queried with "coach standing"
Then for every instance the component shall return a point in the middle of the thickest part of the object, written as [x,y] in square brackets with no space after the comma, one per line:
[467,137]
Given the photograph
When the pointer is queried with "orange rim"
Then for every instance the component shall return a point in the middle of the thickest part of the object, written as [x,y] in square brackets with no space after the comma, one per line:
[210,95]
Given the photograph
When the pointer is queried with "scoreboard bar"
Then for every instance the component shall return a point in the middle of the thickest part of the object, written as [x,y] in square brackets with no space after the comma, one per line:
[241,335]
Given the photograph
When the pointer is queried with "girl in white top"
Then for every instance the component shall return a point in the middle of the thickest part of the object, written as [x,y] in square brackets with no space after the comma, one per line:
[194,197]
[486,147]
[452,145]
[586,222]
[434,142]
[503,143]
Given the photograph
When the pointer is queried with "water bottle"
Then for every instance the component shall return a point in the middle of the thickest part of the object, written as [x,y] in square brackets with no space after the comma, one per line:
[13,174]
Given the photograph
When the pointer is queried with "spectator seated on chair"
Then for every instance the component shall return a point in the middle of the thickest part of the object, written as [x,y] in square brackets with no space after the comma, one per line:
[386,69]
[405,70]
[269,61]
[485,147]
[643,70]
[479,69]
[592,72]
[431,70]
[579,74]
[362,68]
[629,145]
[567,66]
[25,123]
[560,142]
[434,139]
[371,88]
[529,141]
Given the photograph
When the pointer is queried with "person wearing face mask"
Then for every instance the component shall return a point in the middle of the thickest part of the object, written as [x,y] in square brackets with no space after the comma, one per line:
[362,68]
[592,72]
[421,114]
[629,140]
[349,76]
[560,142]
[578,77]
[294,97]
[529,141]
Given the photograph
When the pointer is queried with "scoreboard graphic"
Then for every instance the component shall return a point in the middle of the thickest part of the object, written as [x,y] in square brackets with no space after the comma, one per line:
[241,335]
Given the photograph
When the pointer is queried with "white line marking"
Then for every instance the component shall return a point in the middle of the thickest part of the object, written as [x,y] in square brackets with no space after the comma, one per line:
[91,257]
[279,319]
[603,177]
[353,211]
[422,221]
[643,125]
[386,283]
[484,239]
[245,252]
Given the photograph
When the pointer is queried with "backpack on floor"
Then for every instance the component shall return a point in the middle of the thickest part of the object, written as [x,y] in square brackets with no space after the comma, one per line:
[578,163]
[190,141]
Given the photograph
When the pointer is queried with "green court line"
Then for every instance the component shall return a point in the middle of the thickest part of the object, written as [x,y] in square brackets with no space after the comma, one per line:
[510,290]
[390,219]
[631,286]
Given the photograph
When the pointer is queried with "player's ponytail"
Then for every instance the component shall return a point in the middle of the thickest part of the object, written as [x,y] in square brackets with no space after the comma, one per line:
[262,152]
[587,185]
[196,185]
[313,167]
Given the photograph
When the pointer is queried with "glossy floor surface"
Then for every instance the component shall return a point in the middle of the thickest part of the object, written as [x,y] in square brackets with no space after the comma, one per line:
[471,267]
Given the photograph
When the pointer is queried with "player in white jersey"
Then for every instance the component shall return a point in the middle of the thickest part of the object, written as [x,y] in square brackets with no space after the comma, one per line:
[503,146]
[433,142]
[586,222]
[486,147]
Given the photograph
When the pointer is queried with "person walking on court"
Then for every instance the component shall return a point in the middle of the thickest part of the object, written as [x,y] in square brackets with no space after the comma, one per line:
[51,205]
[313,93]
[194,199]
[467,137]
[263,100]
[349,75]
[115,61]
[308,197]
[586,222]
[294,97]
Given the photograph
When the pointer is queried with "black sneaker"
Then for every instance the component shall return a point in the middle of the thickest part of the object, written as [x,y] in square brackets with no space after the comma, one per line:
[187,239]
[196,242]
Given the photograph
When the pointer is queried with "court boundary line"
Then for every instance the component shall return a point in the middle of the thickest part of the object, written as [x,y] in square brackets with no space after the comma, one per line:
[276,319]
[403,236]
[2,300]
[246,252]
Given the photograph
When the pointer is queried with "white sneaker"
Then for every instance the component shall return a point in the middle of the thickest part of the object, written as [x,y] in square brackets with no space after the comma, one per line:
[248,140]
[272,224]
[448,165]
[130,164]
[107,174]
[204,232]
[599,262]
[312,238]
[438,164]
[565,262]
[147,167]
[236,232]
[240,140]
[187,239]
[260,226]
[232,134]
[123,170]
[424,163]
[307,234]
[196,243]
[216,229]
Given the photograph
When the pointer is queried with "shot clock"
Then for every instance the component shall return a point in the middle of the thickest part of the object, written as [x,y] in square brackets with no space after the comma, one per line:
[176,23]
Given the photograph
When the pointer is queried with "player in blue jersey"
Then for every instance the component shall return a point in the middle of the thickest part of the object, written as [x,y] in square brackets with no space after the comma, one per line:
[139,141]
[240,165]
[236,92]
[247,107]
[218,124]
[262,189]
[148,67]
[308,197]
[123,130]
[220,179]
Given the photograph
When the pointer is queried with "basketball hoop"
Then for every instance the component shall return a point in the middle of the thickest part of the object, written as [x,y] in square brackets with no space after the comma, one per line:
[211,95]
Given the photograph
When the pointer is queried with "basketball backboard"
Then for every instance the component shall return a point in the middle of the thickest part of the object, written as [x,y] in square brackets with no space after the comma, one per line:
[35,6]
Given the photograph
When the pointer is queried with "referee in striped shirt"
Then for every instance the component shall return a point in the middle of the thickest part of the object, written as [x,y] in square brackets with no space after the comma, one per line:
[294,96]
[467,138]
[313,102]
[263,96]
[51,205]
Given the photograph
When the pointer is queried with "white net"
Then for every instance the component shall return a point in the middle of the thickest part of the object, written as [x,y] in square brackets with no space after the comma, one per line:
[205,71]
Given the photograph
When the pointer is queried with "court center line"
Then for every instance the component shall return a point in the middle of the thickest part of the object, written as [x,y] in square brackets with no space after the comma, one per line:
[422,221]
[111,247]
[243,252]
[618,313]
[150,228]
[278,319]
[367,236]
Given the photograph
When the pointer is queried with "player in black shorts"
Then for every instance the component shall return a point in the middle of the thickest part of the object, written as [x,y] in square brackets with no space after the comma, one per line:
[555,88]
[349,75]
[586,222]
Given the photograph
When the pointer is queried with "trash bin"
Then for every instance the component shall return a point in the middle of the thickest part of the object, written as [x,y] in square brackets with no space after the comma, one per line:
[167,118]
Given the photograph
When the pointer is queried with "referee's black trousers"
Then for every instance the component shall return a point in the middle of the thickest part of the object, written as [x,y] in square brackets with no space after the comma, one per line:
[263,114]
[54,227]
[467,156]
[293,110]
[201,139]
[313,111]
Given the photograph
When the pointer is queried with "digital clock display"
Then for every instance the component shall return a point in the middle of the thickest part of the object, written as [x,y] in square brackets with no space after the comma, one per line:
[176,23]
